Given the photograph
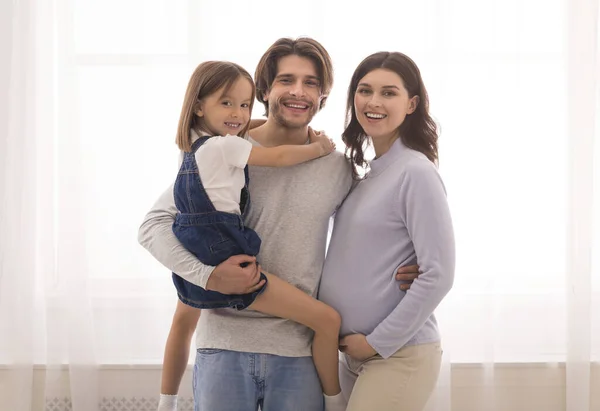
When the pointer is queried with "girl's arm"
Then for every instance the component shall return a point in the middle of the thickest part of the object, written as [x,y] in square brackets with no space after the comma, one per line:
[289,155]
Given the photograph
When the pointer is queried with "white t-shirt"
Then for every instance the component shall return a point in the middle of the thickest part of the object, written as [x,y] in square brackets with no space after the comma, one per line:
[221,162]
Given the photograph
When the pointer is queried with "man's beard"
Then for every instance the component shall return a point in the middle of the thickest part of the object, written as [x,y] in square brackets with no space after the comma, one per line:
[276,111]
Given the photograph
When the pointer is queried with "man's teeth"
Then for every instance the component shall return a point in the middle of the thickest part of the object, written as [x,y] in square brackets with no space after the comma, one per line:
[373,115]
[295,106]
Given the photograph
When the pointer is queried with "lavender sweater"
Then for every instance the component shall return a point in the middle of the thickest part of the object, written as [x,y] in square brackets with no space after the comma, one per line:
[397,216]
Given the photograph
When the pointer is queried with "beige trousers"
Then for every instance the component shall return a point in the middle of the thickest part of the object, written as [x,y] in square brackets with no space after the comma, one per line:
[403,382]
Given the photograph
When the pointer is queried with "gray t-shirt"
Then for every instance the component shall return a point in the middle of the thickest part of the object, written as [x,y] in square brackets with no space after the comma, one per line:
[290,210]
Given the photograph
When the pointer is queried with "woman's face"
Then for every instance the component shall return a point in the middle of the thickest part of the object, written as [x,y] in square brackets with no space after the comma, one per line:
[382,103]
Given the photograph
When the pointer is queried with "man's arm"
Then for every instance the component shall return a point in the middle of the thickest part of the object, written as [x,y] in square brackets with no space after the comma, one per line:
[156,235]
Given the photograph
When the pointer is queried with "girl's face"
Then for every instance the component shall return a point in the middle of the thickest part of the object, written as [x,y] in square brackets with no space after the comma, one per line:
[382,103]
[229,113]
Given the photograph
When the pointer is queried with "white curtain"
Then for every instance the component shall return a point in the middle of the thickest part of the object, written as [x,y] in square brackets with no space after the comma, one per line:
[91,93]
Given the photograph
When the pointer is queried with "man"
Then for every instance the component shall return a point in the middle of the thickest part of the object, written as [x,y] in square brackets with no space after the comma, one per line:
[246,359]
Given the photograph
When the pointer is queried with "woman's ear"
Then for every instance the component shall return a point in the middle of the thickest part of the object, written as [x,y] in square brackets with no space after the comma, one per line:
[413,104]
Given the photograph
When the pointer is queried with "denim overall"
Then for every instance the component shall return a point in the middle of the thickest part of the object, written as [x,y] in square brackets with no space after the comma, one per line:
[212,236]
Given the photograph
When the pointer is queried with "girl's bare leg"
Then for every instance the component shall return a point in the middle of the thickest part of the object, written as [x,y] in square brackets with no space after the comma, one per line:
[177,349]
[283,300]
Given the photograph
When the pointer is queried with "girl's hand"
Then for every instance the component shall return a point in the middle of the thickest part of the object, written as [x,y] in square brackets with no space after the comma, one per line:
[325,144]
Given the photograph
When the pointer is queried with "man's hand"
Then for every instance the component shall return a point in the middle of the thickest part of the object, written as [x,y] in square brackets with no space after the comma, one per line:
[230,277]
[407,275]
[357,347]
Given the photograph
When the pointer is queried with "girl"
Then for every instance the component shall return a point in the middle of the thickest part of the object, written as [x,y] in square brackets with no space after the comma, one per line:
[211,196]
[396,215]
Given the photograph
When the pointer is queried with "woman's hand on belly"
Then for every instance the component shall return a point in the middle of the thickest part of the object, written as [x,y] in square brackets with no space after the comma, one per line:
[357,347]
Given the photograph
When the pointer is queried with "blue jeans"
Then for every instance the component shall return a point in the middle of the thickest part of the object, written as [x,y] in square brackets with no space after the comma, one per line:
[236,381]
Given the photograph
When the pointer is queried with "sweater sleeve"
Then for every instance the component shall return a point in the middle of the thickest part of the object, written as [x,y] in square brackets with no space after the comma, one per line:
[423,208]
[156,235]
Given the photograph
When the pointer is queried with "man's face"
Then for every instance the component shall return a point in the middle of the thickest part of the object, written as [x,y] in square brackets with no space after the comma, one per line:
[295,95]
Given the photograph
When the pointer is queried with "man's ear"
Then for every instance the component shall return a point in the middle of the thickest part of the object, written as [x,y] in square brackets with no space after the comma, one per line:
[414,103]
[323,101]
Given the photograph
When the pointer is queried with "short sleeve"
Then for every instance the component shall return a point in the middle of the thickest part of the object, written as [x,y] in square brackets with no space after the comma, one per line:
[236,150]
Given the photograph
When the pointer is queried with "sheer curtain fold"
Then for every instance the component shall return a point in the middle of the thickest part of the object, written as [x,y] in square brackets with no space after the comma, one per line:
[17,205]
[92,92]
[583,70]
[46,306]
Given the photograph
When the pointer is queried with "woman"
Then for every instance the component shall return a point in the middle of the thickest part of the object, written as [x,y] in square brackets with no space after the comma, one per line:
[397,215]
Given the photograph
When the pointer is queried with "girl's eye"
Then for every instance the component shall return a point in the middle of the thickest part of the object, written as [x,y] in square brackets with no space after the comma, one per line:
[227,103]
[364,91]
[245,105]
